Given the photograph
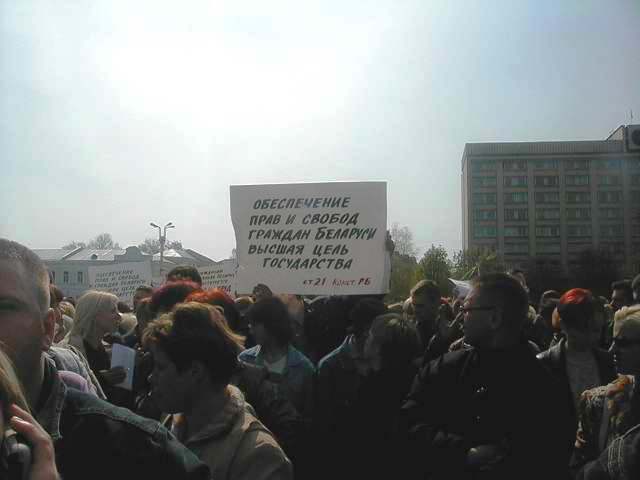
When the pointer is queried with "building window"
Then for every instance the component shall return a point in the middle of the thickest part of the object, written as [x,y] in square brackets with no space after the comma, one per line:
[576,164]
[481,182]
[635,179]
[576,180]
[515,181]
[635,231]
[547,231]
[483,165]
[611,230]
[516,197]
[547,197]
[516,248]
[482,231]
[484,215]
[546,164]
[635,196]
[547,214]
[610,213]
[548,248]
[579,230]
[578,197]
[484,198]
[615,248]
[65,277]
[609,197]
[608,163]
[516,214]
[547,181]
[513,165]
[611,180]
[633,164]
[578,213]
[80,277]
[516,231]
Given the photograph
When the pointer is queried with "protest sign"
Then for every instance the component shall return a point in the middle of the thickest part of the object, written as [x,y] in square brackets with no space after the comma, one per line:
[311,238]
[220,275]
[121,279]
[461,288]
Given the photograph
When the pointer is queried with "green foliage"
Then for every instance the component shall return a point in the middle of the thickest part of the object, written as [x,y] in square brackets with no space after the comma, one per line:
[475,261]
[435,265]
[151,246]
[403,277]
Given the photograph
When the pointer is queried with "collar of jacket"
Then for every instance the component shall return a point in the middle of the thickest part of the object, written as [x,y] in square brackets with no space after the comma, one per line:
[294,357]
[49,415]
[220,423]
[557,356]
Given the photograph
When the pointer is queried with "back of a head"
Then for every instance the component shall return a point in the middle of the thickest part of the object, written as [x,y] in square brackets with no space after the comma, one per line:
[196,331]
[576,308]
[363,313]
[427,288]
[625,286]
[397,339]
[220,298]
[170,294]
[36,272]
[89,305]
[185,273]
[506,292]
[273,314]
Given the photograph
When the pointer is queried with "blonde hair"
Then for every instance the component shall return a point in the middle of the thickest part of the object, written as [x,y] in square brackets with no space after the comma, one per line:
[10,386]
[67,309]
[88,307]
[626,315]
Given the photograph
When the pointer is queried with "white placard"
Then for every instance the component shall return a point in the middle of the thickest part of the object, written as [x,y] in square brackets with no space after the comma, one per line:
[220,275]
[125,357]
[121,279]
[461,288]
[311,238]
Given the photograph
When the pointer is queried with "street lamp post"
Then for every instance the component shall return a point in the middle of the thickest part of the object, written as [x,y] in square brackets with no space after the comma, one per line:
[162,237]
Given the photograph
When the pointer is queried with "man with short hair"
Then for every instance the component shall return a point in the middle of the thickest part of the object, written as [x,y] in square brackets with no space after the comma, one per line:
[185,272]
[425,299]
[92,438]
[621,294]
[142,292]
[490,411]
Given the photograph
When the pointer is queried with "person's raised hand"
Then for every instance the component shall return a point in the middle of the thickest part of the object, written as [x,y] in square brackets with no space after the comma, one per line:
[43,461]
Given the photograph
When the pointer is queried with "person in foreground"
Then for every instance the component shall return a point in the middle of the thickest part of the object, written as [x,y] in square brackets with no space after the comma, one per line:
[195,355]
[91,438]
[490,411]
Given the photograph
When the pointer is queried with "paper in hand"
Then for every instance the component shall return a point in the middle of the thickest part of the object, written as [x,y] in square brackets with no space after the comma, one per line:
[122,356]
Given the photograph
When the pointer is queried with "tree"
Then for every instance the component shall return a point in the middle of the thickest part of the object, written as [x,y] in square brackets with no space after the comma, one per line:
[403,276]
[103,242]
[73,245]
[403,239]
[151,246]
[475,261]
[595,270]
[435,265]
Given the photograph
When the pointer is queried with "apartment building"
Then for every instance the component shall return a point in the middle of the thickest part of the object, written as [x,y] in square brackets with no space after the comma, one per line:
[554,199]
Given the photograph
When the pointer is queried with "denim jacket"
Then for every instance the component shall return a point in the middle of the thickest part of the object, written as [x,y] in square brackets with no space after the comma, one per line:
[94,439]
[295,382]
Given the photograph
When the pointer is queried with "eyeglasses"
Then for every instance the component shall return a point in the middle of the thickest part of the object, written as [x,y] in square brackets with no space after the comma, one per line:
[626,342]
[471,308]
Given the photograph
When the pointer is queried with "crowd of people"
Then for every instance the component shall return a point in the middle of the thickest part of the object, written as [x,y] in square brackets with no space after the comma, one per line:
[491,385]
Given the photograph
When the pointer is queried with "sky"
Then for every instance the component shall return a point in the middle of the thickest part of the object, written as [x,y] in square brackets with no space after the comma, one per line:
[114,114]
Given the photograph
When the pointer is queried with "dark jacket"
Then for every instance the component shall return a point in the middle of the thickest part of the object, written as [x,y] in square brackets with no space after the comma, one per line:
[94,439]
[474,397]
[621,461]
[555,360]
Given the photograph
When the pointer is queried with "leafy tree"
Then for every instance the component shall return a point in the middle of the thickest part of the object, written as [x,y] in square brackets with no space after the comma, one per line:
[435,265]
[474,261]
[403,276]
[403,239]
[73,245]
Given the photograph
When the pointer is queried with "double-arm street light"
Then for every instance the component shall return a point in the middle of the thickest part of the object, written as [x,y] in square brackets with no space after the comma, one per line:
[162,236]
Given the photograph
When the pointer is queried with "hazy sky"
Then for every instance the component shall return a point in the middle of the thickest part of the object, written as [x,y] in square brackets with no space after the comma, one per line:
[117,113]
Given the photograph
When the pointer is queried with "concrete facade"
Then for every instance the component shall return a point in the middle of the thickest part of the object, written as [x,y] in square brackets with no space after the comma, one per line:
[553,200]
[70,268]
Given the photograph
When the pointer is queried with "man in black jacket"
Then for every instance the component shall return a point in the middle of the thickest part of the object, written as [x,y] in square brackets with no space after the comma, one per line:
[491,411]
[92,438]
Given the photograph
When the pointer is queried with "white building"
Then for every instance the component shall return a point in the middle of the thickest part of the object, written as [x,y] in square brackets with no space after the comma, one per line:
[70,268]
